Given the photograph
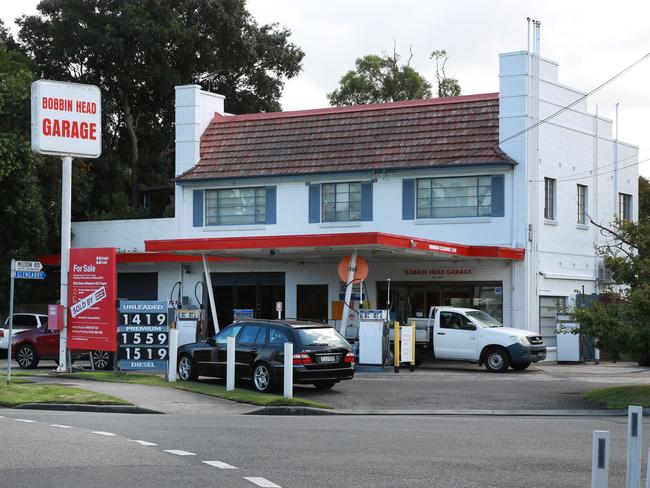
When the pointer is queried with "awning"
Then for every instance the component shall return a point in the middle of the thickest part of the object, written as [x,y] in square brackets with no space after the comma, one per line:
[323,247]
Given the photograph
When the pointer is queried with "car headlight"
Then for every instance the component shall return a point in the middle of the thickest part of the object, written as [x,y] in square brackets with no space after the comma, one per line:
[521,340]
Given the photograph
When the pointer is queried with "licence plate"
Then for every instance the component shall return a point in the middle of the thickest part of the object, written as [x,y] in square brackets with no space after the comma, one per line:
[326,359]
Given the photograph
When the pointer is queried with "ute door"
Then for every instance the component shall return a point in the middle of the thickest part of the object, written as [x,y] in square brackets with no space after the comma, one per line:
[456,337]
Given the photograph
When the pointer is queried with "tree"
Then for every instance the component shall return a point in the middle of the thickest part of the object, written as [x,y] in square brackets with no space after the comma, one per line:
[447,87]
[136,51]
[26,220]
[620,323]
[644,198]
[380,79]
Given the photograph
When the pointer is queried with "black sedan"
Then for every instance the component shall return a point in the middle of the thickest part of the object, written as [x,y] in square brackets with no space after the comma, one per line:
[321,356]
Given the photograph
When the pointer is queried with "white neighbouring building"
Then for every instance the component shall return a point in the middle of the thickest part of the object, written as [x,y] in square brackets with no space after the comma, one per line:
[423,190]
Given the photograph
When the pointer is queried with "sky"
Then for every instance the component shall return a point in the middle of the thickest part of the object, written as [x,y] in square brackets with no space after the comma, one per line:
[592,41]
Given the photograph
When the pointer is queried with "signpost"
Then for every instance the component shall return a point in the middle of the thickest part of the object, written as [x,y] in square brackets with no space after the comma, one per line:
[66,122]
[143,336]
[30,270]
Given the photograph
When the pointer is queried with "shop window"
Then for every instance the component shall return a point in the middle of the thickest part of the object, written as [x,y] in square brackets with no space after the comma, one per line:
[549,198]
[624,206]
[468,196]
[235,206]
[582,204]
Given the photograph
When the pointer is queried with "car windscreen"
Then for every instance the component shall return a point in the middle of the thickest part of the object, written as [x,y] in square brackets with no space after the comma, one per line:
[321,336]
[483,319]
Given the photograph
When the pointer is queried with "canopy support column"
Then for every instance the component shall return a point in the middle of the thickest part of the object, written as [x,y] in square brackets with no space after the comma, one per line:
[349,285]
[208,282]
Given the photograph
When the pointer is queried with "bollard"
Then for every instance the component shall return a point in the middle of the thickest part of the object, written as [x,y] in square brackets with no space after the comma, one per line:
[647,478]
[634,426]
[230,363]
[288,370]
[600,459]
[173,353]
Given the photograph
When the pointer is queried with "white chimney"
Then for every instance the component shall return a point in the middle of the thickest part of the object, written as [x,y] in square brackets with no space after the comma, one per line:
[194,111]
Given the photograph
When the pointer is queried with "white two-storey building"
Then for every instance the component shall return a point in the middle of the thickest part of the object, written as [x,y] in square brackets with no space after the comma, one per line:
[468,201]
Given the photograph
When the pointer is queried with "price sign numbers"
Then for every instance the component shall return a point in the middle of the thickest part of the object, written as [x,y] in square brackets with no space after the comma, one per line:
[143,353]
[143,318]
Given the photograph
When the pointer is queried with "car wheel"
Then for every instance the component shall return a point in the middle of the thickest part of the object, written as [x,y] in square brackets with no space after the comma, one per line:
[186,369]
[263,378]
[520,366]
[496,360]
[26,356]
[325,385]
[102,360]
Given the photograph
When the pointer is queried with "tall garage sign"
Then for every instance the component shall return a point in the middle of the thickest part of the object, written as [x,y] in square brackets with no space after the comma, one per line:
[66,122]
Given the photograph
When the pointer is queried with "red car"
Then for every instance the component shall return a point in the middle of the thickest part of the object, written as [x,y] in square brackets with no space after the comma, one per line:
[30,346]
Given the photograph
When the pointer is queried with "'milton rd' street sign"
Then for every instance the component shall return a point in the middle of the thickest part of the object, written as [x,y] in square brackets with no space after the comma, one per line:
[28,266]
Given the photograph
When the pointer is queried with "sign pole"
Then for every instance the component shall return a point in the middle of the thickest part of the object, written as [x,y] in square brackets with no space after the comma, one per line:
[11,318]
[66,217]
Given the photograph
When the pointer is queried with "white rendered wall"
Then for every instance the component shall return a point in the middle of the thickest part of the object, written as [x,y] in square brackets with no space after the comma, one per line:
[126,235]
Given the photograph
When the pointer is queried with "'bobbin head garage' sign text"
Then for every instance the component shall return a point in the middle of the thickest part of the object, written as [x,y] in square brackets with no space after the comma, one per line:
[66,119]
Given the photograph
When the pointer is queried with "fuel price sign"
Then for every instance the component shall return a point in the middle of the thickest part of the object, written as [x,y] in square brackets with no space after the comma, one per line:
[143,335]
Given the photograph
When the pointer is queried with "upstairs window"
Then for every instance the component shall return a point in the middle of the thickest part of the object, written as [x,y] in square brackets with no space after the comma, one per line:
[549,198]
[582,204]
[467,196]
[624,206]
[235,206]
[341,202]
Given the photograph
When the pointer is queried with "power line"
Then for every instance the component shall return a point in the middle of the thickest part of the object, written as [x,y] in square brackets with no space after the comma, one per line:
[577,100]
[595,174]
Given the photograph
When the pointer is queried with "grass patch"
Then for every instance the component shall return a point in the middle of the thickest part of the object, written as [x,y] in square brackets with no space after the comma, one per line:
[620,396]
[28,372]
[21,391]
[239,395]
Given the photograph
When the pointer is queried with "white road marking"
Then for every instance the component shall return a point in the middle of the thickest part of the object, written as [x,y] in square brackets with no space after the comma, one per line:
[101,432]
[263,482]
[219,464]
[144,443]
[1,417]
[61,426]
[178,452]
[25,420]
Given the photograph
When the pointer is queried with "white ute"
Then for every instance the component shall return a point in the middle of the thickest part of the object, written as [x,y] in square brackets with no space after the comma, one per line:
[466,334]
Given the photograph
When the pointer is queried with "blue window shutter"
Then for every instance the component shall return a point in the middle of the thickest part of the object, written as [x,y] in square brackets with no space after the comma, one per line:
[408,199]
[366,200]
[498,204]
[271,211]
[314,204]
[197,199]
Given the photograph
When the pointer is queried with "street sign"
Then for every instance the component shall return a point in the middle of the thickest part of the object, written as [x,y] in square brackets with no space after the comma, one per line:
[29,275]
[28,266]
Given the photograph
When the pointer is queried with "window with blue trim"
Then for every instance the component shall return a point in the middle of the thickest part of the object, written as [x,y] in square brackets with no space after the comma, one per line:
[341,202]
[467,196]
[235,206]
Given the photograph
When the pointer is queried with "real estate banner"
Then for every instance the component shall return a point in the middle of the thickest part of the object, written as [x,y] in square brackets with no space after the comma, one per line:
[92,299]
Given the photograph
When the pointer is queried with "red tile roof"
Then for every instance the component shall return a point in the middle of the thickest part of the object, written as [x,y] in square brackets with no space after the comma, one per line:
[410,134]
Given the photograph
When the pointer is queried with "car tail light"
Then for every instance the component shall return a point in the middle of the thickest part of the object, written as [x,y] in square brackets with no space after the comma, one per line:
[2,332]
[349,358]
[302,359]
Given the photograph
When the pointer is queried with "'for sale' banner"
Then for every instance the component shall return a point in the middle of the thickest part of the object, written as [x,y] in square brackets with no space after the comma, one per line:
[91,299]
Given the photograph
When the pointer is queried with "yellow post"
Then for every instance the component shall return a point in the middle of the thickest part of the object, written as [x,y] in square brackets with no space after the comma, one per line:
[396,352]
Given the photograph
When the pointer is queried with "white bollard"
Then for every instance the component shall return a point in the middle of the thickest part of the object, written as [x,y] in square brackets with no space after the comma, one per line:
[288,370]
[600,459]
[647,479]
[173,355]
[230,363]
[634,426]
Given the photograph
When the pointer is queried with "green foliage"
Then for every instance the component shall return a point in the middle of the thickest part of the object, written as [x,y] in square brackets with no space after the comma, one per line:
[447,87]
[136,51]
[379,79]
[620,323]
